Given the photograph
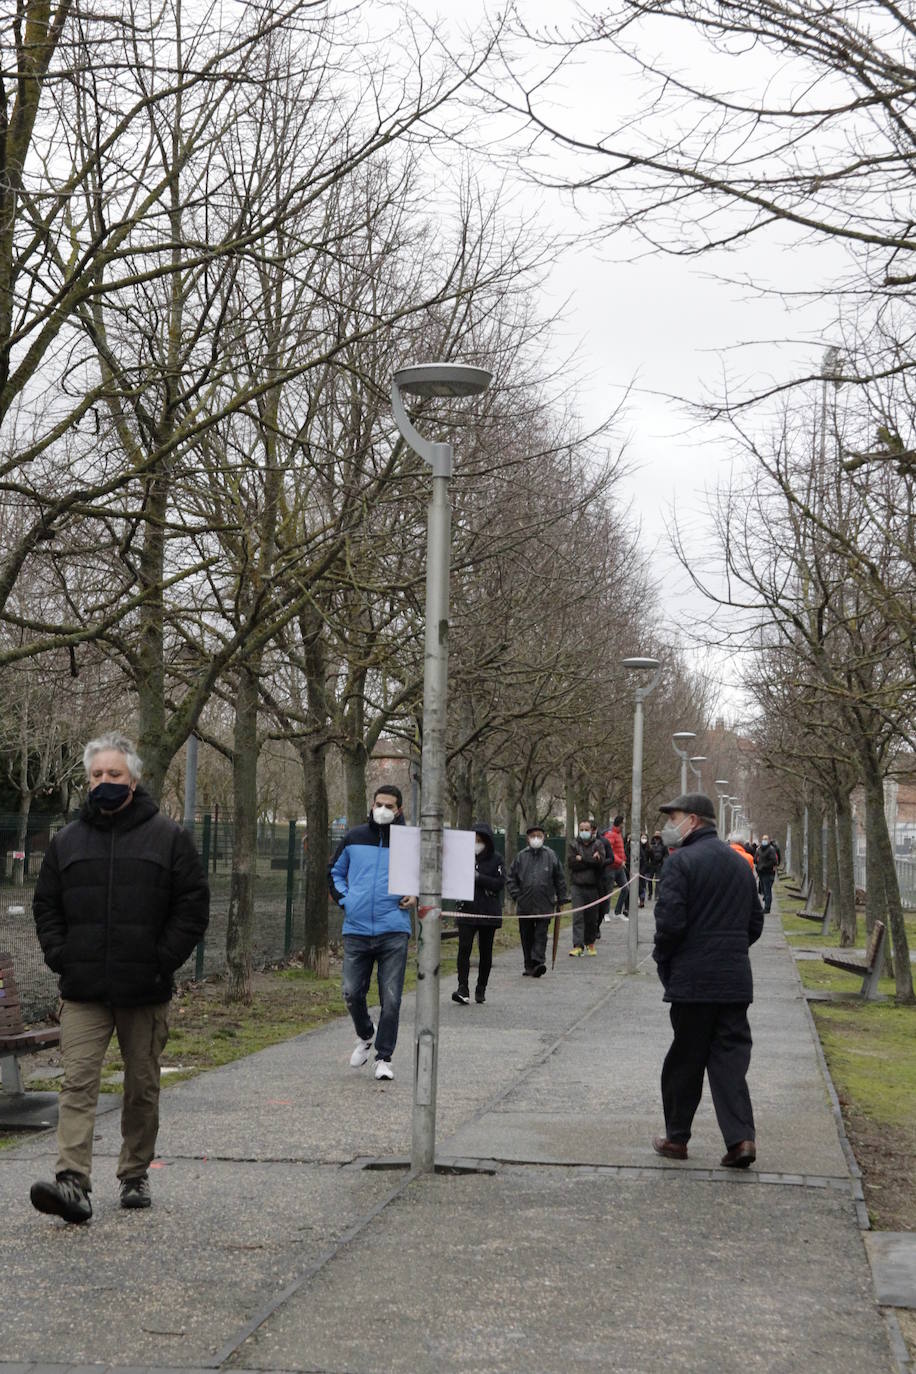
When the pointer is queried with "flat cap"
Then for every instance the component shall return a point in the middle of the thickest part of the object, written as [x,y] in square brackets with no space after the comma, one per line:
[692,803]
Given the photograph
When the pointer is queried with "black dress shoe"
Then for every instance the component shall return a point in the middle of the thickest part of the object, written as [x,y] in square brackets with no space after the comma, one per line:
[740,1156]
[539,970]
[480,996]
[671,1149]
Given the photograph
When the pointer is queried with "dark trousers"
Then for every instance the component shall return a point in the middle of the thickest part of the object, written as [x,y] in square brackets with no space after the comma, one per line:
[605,883]
[361,954]
[766,889]
[533,935]
[466,932]
[585,923]
[623,897]
[712,1038]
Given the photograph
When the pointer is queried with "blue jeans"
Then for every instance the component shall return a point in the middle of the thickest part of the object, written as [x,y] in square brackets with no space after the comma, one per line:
[361,953]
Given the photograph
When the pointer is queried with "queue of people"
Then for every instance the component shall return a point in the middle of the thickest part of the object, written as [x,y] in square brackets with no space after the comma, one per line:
[122,900]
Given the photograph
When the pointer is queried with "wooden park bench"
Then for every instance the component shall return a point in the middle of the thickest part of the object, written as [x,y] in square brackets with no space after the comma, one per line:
[804,893]
[822,916]
[869,967]
[15,1040]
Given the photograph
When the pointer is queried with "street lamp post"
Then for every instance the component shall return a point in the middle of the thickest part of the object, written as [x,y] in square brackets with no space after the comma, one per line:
[720,785]
[697,772]
[639,665]
[681,737]
[428,380]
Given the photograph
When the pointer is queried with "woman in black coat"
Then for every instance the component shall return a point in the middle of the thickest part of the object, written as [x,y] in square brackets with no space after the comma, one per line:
[484,918]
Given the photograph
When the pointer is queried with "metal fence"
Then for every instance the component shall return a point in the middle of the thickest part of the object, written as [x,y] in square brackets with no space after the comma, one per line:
[279,902]
[906,878]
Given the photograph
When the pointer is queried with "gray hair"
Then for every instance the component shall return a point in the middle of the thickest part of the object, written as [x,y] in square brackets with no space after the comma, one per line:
[122,745]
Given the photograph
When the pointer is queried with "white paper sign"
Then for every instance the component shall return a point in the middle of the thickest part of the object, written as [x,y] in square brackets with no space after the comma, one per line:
[458,865]
[457,862]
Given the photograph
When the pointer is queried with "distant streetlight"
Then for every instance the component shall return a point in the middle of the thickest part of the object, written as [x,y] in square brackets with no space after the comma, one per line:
[637,665]
[682,737]
[697,772]
[428,380]
[720,785]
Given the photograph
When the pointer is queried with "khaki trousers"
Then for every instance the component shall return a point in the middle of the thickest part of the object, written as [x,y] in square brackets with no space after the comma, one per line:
[86,1029]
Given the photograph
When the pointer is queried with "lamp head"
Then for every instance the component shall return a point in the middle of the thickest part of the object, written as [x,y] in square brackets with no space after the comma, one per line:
[684,735]
[640,665]
[427,380]
[697,758]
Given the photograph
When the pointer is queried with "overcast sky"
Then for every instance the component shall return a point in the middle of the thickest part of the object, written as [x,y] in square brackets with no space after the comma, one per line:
[663,326]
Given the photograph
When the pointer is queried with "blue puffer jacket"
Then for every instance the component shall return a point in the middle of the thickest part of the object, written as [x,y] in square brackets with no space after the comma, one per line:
[358,881]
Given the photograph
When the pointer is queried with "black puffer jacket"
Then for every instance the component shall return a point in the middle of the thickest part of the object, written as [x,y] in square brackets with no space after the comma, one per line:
[489,881]
[121,901]
[707,915]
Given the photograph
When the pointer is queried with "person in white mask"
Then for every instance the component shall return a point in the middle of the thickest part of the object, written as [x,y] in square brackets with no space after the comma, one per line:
[376,930]
[586,864]
[536,883]
[485,912]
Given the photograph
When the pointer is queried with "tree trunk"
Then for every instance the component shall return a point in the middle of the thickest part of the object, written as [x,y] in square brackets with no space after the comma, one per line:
[833,872]
[463,782]
[875,903]
[150,674]
[570,813]
[483,808]
[903,973]
[317,857]
[846,886]
[355,763]
[816,850]
[315,786]
[511,829]
[240,923]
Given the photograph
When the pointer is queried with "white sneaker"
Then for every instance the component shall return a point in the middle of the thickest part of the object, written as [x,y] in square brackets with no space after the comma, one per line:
[360,1055]
[383,1069]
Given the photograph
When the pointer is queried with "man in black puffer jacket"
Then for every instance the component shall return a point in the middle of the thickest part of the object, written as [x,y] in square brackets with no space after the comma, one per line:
[121,901]
[707,915]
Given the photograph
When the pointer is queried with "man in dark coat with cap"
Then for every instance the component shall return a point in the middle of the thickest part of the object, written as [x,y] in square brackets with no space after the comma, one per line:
[707,915]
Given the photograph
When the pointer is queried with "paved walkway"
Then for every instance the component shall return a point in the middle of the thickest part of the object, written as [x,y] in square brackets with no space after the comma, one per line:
[286,1235]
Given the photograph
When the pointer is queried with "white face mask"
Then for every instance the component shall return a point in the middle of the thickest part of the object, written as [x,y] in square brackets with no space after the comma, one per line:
[585,834]
[535,841]
[479,847]
[672,835]
[382,815]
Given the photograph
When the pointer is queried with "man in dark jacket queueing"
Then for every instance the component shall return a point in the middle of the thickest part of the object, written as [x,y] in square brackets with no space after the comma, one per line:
[121,901]
[767,861]
[707,915]
[536,883]
[484,918]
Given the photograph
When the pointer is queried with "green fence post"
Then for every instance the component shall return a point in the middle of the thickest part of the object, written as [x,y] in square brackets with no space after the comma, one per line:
[290,879]
[205,859]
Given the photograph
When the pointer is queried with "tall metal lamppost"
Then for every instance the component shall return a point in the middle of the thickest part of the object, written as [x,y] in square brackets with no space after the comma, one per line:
[427,380]
[720,785]
[638,665]
[679,738]
[697,772]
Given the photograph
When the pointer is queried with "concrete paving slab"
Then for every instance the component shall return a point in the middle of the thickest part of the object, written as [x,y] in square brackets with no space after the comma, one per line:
[269,1246]
[170,1285]
[552,1270]
[893,1260]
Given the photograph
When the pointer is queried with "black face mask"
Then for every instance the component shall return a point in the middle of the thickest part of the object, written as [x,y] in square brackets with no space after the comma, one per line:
[108,796]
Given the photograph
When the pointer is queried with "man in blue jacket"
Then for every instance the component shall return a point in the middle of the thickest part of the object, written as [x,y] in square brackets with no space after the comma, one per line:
[707,915]
[376,929]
